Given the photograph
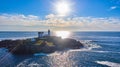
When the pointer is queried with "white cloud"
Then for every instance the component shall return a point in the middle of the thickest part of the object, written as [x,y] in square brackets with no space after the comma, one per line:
[31,22]
[7,19]
[113,7]
[50,16]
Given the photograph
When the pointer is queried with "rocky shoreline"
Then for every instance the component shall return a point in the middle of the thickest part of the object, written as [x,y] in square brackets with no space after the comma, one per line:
[47,44]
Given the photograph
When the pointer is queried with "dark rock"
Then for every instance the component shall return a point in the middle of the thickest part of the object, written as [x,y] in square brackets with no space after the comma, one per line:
[29,47]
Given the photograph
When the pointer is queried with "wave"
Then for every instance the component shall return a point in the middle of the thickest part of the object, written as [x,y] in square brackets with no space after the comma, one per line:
[83,49]
[104,51]
[89,44]
[35,65]
[111,64]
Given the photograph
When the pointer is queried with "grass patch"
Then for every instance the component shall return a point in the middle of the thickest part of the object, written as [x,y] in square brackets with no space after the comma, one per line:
[39,42]
[50,44]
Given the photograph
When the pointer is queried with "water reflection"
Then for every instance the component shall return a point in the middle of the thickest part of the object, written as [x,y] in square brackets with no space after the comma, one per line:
[56,59]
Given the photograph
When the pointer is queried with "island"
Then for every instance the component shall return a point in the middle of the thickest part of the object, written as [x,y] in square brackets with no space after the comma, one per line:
[40,44]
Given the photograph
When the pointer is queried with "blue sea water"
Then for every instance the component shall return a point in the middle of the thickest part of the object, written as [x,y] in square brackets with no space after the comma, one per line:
[102,49]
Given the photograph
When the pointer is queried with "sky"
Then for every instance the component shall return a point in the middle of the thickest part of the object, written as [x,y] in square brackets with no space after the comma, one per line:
[72,15]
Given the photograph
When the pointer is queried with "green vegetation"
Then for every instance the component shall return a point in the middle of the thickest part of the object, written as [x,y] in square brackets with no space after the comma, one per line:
[40,42]
[50,44]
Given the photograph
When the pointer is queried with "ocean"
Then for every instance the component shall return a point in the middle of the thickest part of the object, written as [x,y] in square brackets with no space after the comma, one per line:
[102,49]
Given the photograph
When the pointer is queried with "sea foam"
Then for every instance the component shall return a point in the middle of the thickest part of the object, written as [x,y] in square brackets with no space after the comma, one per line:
[111,64]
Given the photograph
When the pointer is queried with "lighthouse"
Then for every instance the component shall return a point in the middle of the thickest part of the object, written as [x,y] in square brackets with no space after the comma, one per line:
[48,32]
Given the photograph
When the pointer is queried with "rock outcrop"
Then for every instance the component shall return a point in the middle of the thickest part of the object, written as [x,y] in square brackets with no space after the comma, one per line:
[45,45]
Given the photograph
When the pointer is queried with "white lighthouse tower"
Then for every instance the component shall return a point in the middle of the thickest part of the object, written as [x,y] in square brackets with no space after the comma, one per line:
[49,32]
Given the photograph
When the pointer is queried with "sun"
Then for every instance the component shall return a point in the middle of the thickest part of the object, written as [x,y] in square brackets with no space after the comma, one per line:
[62,34]
[62,7]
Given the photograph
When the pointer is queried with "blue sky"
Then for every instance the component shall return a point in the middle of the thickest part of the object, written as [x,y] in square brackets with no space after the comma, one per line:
[83,12]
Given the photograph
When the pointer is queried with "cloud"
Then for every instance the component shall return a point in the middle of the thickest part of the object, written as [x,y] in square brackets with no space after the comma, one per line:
[8,19]
[113,7]
[50,16]
[31,22]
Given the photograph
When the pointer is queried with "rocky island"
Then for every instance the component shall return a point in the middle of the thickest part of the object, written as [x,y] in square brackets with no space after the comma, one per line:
[44,44]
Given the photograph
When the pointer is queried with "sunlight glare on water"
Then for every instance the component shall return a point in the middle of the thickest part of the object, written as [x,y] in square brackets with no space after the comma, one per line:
[62,34]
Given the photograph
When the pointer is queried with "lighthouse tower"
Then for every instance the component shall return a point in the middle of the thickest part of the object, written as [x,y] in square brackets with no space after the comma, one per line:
[48,32]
